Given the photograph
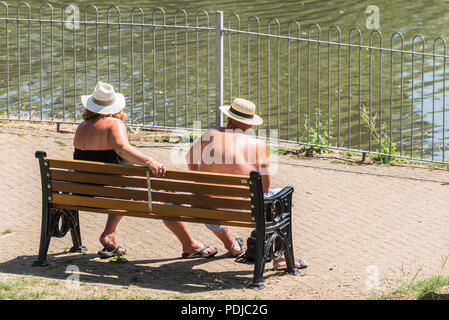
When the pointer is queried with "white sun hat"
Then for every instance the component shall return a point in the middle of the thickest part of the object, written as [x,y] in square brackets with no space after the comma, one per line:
[104,100]
[243,111]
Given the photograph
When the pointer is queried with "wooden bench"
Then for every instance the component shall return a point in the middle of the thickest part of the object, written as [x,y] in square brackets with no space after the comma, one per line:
[70,186]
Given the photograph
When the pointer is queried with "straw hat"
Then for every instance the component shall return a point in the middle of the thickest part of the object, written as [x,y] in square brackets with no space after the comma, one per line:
[243,111]
[104,100]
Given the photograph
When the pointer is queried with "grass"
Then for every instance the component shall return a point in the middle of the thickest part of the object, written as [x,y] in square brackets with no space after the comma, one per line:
[29,287]
[424,289]
[18,289]
[60,143]
[6,231]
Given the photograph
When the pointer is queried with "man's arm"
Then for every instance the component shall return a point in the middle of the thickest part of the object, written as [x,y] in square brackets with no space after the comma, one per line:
[265,167]
[192,158]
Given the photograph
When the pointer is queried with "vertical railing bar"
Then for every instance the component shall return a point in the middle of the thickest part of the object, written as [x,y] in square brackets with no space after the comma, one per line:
[318,87]
[402,97]
[29,64]
[109,45]
[380,88]
[186,76]
[278,103]
[391,97]
[186,110]
[391,91]
[370,97]
[269,74]
[413,88]
[196,68]
[176,69]
[74,75]
[289,76]
[219,67]
[308,80]
[298,87]
[7,56]
[338,88]
[51,67]
[329,78]
[206,15]
[18,62]
[109,42]
[444,104]
[360,92]
[230,54]
[132,62]
[433,102]
[132,66]
[40,61]
[349,88]
[63,56]
[208,69]
[230,60]
[258,63]
[154,65]
[308,84]
[143,71]
[412,99]
[422,105]
[433,94]
[86,49]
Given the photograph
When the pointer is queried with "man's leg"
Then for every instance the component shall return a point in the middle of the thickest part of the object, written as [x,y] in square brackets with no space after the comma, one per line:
[223,233]
[189,244]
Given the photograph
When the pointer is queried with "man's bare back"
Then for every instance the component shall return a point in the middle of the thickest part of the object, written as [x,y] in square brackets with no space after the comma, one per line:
[230,150]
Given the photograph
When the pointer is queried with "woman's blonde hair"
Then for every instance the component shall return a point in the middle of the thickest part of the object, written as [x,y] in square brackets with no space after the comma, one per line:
[88,115]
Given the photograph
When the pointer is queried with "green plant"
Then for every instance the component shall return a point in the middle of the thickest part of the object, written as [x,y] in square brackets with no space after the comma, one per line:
[6,231]
[386,148]
[191,137]
[316,141]
[118,259]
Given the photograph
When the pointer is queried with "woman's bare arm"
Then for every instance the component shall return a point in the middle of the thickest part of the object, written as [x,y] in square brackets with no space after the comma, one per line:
[118,139]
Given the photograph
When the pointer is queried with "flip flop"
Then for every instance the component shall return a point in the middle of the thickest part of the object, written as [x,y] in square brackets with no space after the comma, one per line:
[200,254]
[300,262]
[240,243]
[106,254]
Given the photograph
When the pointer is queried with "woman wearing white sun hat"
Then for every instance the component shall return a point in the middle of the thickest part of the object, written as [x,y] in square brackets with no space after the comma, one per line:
[103,137]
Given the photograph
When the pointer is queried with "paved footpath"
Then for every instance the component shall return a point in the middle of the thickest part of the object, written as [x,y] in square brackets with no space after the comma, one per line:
[363,230]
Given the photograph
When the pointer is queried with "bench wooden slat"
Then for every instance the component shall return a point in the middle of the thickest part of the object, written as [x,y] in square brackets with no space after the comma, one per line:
[159,184]
[136,206]
[157,216]
[139,171]
[135,194]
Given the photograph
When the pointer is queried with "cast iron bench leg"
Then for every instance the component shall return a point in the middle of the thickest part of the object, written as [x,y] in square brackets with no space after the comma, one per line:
[75,232]
[45,239]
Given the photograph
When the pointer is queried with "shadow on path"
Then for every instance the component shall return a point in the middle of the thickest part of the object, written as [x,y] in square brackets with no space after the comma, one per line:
[173,274]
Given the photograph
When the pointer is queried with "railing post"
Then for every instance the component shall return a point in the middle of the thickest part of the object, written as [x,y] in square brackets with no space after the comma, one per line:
[219,36]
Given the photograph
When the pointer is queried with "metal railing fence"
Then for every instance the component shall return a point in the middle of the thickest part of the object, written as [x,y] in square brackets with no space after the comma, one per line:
[329,88]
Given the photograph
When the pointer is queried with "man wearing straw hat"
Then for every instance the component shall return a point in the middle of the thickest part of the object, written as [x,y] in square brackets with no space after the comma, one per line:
[233,150]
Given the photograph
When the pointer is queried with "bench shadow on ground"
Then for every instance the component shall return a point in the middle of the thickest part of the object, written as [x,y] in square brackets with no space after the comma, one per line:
[172,274]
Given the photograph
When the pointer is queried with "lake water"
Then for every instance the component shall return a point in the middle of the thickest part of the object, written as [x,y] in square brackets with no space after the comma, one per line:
[308,89]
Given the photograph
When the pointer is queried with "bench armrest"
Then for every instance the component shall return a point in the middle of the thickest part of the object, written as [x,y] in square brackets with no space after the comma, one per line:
[286,191]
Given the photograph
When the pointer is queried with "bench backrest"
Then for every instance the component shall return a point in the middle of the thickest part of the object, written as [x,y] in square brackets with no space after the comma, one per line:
[123,189]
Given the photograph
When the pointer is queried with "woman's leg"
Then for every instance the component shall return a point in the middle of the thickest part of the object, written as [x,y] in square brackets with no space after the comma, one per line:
[108,238]
[189,244]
